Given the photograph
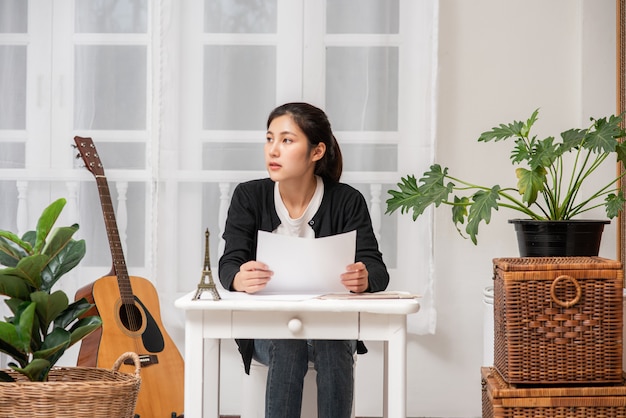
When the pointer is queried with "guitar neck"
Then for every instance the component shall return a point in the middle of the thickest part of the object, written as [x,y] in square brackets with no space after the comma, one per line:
[117,252]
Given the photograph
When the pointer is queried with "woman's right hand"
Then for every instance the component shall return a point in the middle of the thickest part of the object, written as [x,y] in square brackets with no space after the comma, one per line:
[252,277]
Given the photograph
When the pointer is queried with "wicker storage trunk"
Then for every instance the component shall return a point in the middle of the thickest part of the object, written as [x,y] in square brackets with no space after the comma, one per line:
[558,320]
[500,400]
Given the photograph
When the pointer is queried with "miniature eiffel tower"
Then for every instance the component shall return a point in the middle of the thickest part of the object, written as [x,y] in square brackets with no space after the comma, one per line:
[206,281]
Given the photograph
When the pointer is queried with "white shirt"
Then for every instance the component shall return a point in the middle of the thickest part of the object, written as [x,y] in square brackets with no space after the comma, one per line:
[298,227]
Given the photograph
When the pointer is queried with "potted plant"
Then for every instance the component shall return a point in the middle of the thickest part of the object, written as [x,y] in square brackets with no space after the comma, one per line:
[44,324]
[548,190]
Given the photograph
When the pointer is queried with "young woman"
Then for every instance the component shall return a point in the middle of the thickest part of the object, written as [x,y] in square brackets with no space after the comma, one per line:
[302,197]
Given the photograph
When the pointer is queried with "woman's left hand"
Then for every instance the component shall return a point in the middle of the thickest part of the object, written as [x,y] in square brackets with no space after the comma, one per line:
[355,279]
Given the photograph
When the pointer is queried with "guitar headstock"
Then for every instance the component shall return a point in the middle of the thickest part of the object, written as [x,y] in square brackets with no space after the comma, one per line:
[87,151]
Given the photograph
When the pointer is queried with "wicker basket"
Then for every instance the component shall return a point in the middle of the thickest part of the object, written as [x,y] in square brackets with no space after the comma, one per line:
[500,400]
[73,392]
[558,320]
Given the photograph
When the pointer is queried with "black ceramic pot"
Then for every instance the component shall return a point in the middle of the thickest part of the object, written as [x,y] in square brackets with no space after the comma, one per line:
[580,237]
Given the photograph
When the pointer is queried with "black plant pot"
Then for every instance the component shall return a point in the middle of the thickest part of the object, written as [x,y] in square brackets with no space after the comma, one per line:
[580,237]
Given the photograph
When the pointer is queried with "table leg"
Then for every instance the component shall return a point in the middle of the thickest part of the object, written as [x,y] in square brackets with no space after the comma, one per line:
[395,363]
[212,363]
[194,365]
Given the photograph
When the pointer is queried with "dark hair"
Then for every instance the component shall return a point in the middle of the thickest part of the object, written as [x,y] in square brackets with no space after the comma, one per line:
[315,125]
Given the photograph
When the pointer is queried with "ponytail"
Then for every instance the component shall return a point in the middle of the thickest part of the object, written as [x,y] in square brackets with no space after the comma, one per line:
[331,164]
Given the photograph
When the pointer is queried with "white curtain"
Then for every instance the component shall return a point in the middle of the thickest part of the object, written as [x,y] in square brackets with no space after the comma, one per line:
[175,95]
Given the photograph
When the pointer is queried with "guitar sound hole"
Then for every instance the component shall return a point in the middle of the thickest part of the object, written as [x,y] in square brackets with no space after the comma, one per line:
[130,317]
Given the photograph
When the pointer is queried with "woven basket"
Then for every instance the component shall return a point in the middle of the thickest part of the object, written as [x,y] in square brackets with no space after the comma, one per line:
[558,320]
[501,400]
[73,392]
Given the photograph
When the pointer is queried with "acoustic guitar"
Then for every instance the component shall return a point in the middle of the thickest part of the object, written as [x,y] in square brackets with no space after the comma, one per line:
[131,321]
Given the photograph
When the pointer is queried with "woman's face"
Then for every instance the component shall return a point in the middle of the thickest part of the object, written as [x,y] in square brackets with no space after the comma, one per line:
[287,155]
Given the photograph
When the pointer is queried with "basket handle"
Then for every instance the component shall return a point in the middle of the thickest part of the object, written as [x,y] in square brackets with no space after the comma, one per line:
[128,355]
[565,304]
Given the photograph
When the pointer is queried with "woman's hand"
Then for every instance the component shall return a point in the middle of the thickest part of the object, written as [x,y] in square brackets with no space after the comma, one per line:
[355,279]
[252,277]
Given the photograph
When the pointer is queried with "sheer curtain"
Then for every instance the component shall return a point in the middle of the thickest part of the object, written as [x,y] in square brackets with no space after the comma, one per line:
[175,95]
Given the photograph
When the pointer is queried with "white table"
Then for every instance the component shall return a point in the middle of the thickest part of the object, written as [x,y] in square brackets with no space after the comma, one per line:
[207,322]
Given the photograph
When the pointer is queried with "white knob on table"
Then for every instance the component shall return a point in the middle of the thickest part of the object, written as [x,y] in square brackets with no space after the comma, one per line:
[294,325]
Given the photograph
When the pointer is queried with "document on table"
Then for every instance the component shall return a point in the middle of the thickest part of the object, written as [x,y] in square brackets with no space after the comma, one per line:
[305,265]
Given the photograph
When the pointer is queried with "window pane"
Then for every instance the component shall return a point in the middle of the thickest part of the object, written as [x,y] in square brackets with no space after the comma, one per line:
[362,88]
[233,156]
[13,16]
[239,86]
[8,205]
[99,250]
[388,242]
[240,16]
[211,195]
[362,16]
[369,157]
[122,155]
[13,87]
[110,89]
[111,16]
[12,155]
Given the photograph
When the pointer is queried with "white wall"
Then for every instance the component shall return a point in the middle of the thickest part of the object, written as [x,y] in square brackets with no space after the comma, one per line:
[499,60]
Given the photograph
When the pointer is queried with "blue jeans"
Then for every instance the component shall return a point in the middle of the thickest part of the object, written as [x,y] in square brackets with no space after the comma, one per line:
[288,362]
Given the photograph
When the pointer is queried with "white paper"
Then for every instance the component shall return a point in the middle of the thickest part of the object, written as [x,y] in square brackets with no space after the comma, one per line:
[305,265]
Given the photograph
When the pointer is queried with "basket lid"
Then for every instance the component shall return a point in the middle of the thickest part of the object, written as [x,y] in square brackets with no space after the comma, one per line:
[499,388]
[555,263]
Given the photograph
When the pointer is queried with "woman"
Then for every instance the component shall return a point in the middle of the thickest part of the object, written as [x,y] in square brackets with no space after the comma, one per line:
[302,197]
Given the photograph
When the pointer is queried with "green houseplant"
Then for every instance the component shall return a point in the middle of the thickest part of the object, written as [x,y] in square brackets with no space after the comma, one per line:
[549,178]
[44,324]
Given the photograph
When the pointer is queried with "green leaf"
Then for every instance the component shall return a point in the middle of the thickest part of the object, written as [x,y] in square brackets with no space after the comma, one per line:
[544,154]
[13,286]
[9,336]
[484,203]
[7,347]
[432,188]
[36,370]
[58,340]
[29,269]
[84,327]
[459,212]
[58,239]
[614,204]
[502,131]
[61,262]
[459,209]
[602,137]
[12,249]
[525,131]
[620,150]
[516,129]
[49,306]
[572,139]
[520,152]
[46,221]
[411,197]
[530,183]
[23,322]
[403,198]
[72,312]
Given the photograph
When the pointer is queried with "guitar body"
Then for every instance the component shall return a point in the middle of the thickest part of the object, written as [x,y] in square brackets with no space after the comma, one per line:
[136,328]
